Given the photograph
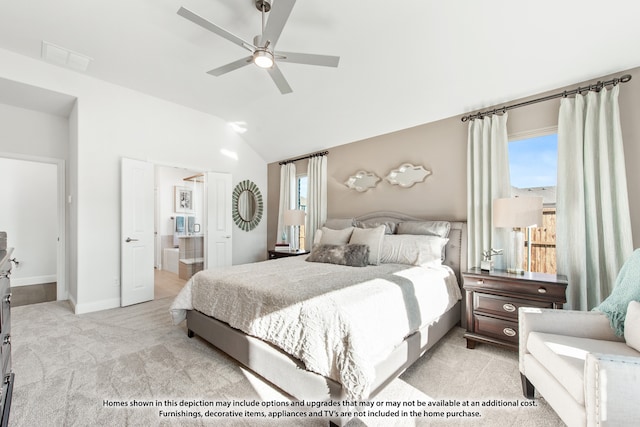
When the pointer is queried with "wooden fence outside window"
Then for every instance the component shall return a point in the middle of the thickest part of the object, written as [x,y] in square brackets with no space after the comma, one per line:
[543,244]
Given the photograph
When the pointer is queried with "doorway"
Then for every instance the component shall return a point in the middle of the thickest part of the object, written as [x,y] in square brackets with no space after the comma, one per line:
[179,226]
[35,226]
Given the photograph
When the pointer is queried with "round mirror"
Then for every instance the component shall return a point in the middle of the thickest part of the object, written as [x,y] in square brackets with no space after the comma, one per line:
[247,205]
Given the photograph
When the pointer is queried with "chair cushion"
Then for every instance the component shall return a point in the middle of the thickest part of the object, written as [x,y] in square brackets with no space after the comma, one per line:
[632,325]
[564,356]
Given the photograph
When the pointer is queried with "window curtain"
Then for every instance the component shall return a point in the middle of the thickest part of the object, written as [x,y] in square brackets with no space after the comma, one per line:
[594,225]
[487,179]
[287,199]
[316,197]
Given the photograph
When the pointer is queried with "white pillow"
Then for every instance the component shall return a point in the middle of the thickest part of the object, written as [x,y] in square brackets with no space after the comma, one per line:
[371,237]
[412,249]
[632,325]
[335,237]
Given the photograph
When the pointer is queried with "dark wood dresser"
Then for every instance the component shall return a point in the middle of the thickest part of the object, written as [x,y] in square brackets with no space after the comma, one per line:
[493,299]
[5,335]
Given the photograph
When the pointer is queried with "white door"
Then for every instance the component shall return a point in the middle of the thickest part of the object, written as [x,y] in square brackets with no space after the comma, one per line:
[137,181]
[219,220]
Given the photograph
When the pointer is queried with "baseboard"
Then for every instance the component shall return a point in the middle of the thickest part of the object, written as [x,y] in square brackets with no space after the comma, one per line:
[72,301]
[33,280]
[96,306]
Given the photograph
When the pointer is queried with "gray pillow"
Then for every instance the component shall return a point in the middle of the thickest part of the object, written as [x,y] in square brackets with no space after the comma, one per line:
[335,237]
[352,255]
[390,227]
[339,223]
[429,228]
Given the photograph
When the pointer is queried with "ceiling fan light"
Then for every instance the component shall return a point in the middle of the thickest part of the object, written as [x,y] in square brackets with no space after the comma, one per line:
[263,58]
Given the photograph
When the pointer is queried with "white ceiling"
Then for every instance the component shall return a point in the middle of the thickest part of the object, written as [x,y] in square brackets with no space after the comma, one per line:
[403,63]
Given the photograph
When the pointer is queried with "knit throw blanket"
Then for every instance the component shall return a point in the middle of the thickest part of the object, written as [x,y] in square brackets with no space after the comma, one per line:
[626,289]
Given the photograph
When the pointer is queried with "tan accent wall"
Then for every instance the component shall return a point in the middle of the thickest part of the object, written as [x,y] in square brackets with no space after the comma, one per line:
[441,147]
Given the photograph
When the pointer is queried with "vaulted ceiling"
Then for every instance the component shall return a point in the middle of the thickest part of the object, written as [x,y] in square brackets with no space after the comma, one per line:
[402,63]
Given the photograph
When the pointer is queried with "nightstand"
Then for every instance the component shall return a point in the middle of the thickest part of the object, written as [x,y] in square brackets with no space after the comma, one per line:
[493,299]
[273,254]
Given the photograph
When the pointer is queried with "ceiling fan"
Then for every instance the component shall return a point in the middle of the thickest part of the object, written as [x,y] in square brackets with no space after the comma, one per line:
[262,49]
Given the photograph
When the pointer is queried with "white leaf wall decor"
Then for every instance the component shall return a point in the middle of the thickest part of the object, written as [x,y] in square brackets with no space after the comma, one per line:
[362,181]
[407,174]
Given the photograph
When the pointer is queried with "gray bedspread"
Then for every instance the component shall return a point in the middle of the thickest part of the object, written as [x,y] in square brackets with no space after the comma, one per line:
[338,320]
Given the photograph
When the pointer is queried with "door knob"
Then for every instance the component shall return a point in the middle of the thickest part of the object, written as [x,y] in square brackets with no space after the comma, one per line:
[129,239]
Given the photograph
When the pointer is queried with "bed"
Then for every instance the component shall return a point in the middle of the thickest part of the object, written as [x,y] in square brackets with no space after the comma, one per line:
[274,331]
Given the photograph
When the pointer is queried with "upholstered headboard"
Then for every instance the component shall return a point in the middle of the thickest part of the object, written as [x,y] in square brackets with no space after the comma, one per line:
[456,249]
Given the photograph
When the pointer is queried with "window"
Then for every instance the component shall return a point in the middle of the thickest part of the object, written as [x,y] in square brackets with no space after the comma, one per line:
[533,164]
[301,203]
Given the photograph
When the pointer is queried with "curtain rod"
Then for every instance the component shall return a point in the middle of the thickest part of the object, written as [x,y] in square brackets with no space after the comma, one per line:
[596,86]
[318,154]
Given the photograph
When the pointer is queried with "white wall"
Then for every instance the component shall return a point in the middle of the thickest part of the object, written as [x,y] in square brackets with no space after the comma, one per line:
[115,122]
[32,133]
[30,218]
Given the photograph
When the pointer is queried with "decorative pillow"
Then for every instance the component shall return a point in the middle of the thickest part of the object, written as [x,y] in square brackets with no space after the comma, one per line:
[339,223]
[335,237]
[371,237]
[429,228]
[352,255]
[413,250]
[632,325]
[390,227]
[625,289]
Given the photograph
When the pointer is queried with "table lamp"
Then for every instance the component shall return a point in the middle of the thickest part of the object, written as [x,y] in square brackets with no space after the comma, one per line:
[294,218]
[517,213]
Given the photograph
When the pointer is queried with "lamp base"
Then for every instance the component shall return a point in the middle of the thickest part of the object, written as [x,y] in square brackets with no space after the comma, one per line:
[516,252]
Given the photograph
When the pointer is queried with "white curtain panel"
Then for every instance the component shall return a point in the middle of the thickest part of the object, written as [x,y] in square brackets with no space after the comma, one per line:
[287,198]
[593,221]
[316,197]
[487,179]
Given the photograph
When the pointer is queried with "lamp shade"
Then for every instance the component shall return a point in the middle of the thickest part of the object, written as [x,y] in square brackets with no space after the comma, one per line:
[294,217]
[517,212]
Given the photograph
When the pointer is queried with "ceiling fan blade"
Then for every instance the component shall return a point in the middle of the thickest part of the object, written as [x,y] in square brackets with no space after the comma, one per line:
[230,66]
[277,18]
[207,25]
[307,58]
[279,80]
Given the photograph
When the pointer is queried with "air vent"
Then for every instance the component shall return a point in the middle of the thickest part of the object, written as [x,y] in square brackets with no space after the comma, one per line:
[65,57]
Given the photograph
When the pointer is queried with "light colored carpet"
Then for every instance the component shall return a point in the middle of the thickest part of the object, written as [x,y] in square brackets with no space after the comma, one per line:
[67,366]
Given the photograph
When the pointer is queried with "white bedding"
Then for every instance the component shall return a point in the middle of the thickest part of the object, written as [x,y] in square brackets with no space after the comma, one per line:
[339,321]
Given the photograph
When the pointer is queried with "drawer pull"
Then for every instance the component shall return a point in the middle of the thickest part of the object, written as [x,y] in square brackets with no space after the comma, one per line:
[7,339]
[509,332]
[480,282]
[542,291]
[509,307]
[7,299]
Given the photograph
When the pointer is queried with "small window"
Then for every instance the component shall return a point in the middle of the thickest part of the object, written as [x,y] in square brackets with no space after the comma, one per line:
[533,164]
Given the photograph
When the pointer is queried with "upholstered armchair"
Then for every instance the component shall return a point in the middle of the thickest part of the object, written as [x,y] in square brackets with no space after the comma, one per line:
[577,363]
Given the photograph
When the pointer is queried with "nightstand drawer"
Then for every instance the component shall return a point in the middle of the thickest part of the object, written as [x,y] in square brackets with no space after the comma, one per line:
[517,286]
[502,329]
[503,306]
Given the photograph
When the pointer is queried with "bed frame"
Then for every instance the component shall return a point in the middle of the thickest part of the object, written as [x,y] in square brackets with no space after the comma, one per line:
[289,374]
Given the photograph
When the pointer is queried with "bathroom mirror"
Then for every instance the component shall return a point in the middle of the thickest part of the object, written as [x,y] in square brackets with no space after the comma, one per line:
[247,205]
